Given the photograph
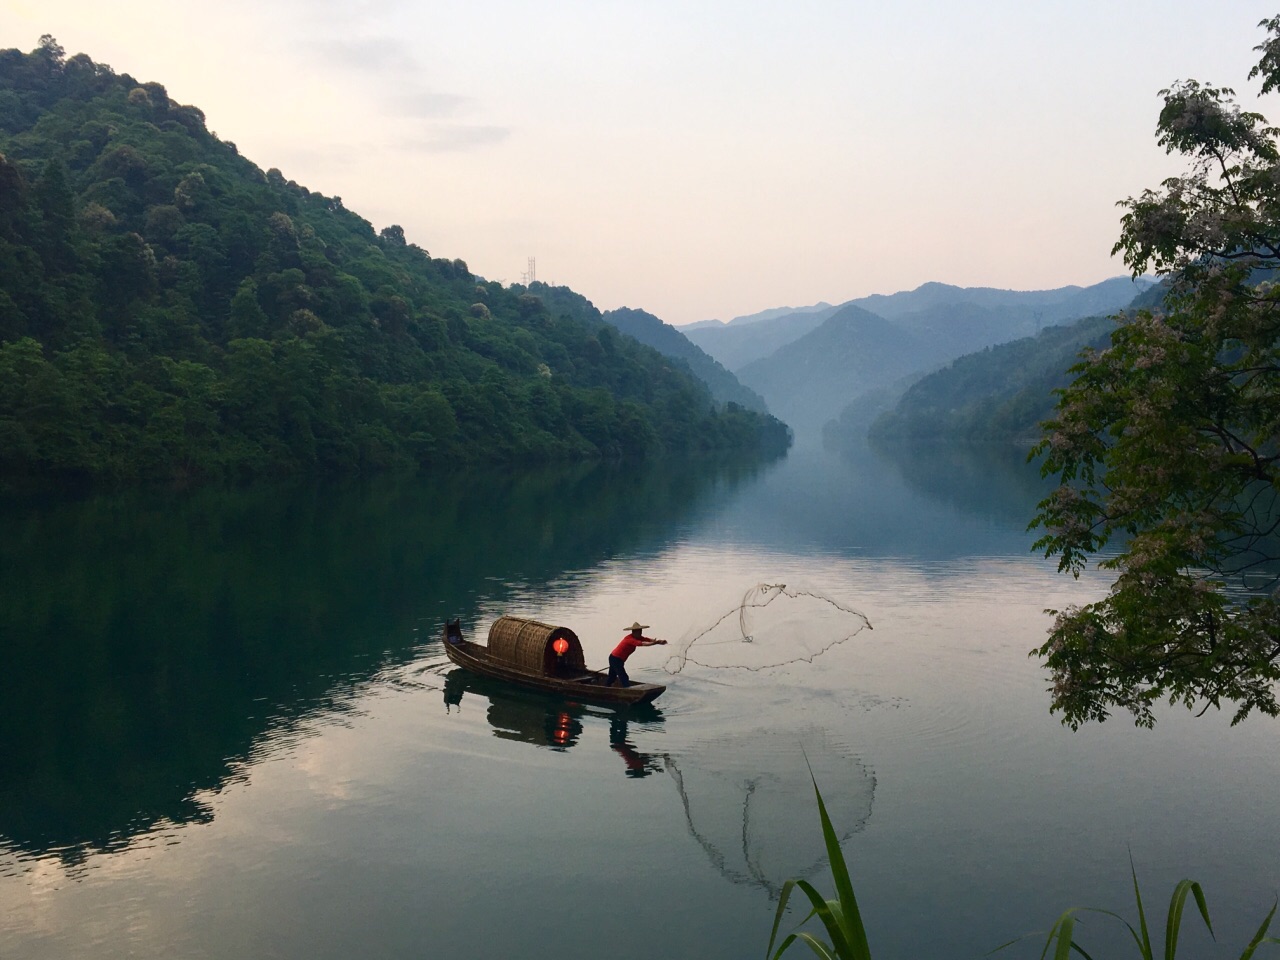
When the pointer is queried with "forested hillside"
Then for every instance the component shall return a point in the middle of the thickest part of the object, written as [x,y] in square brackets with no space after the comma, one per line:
[999,393]
[170,310]
[670,342]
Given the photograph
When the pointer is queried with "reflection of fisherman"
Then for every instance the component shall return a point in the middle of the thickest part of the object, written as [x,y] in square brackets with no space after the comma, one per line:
[454,685]
[624,649]
[638,764]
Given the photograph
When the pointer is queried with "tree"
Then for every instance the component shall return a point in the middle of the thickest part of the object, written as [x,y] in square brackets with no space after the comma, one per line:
[1167,444]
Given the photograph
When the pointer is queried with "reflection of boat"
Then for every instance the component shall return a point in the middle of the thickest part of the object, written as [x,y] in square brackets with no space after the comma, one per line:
[520,715]
[542,657]
[526,716]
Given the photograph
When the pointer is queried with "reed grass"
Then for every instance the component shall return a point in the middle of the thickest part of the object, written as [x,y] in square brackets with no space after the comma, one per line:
[847,935]
[1061,938]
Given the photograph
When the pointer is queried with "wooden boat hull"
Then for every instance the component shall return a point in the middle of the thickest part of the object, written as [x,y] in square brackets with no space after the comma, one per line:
[587,686]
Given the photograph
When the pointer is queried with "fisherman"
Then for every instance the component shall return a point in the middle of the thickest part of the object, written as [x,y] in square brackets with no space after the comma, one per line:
[624,649]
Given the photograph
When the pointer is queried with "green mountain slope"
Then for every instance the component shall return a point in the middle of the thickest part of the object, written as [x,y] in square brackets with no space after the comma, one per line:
[670,342]
[999,393]
[168,309]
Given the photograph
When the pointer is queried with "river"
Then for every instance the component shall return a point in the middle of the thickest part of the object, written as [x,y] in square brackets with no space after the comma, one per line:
[228,729]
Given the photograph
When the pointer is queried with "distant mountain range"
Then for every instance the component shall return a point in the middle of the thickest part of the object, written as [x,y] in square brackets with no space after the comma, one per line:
[737,344]
[850,351]
[770,314]
[810,363]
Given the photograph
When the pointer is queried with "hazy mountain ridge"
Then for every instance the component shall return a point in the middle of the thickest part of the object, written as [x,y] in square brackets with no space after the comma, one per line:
[940,323]
[737,346]
[772,313]
[851,352]
[1053,304]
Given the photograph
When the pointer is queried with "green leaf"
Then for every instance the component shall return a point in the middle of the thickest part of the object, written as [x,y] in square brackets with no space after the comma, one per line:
[1177,904]
[1261,936]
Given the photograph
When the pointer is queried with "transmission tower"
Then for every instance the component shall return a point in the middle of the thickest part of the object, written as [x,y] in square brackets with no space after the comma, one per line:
[531,274]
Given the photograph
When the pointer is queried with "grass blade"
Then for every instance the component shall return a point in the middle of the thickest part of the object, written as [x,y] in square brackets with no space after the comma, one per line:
[1261,936]
[850,919]
[1144,945]
[822,909]
[816,945]
[1063,931]
[777,920]
[1177,904]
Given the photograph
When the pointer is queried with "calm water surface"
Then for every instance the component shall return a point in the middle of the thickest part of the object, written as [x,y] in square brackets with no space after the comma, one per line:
[227,728]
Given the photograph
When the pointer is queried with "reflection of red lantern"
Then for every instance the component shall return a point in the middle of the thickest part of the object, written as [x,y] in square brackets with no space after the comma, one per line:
[562,732]
[561,647]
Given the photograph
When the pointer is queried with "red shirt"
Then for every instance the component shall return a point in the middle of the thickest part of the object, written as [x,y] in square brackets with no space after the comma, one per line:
[628,646]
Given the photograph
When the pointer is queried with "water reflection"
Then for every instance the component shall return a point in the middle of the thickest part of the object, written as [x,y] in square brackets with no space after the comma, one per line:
[983,479]
[927,502]
[154,644]
[746,797]
[638,764]
[526,716]
[747,800]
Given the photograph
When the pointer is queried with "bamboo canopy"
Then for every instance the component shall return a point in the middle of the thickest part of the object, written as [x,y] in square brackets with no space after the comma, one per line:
[528,644]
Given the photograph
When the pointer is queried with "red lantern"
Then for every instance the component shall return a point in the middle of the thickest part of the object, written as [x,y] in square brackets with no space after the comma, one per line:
[561,646]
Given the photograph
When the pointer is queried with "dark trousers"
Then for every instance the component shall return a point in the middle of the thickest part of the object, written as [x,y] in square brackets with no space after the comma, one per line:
[618,669]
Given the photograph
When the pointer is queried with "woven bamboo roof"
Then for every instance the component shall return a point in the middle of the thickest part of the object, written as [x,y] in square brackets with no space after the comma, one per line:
[528,644]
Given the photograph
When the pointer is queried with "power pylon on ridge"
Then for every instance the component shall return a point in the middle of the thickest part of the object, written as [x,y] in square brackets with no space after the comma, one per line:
[531,275]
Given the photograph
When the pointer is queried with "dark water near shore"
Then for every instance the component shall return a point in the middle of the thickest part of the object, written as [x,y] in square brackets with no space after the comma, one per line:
[227,728]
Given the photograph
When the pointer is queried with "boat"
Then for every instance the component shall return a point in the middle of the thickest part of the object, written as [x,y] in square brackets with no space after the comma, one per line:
[542,657]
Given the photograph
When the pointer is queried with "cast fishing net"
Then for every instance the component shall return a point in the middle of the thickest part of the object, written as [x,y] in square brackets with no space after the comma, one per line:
[770,625]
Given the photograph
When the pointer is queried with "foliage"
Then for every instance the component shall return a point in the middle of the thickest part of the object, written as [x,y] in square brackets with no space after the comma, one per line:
[670,342]
[1062,934]
[1165,445]
[168,309]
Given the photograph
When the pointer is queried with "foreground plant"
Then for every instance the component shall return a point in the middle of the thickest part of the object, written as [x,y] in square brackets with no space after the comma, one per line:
[839,916]
[1062,941]
[847,937]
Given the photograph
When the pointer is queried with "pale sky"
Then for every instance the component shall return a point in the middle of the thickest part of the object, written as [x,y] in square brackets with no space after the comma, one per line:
[697,159]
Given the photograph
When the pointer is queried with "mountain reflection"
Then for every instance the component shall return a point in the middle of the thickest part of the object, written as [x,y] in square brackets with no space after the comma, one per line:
[986,479]
[153,642]
[927,502]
